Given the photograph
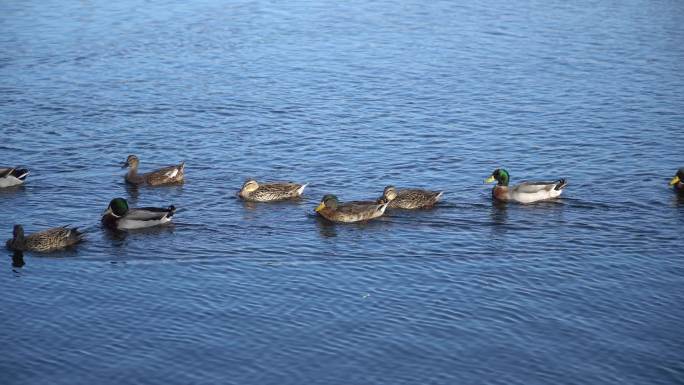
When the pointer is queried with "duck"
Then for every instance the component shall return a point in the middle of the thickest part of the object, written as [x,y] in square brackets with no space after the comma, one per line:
[525,192]
[118,216]
[677,182]
[409,199]
[12,176]
[167,175]
[269,192]
[44,241]
[331,209]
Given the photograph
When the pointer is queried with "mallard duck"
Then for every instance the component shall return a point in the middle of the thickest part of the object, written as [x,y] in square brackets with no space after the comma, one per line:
[44,241]
[119,217]
[268,192]
[166,175]
[12,176]
[677,181]
[409,198]
[525,192]
[332,210]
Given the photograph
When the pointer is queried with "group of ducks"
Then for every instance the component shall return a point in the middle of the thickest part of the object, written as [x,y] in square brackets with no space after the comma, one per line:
[119,216]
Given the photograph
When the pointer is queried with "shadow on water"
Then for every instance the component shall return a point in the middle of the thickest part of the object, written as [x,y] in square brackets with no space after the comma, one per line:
[330,229]
[119,236]
[18,260]
[325,227]
[133,191]
[13,190]
[678,199]
[252,206]
[499,213]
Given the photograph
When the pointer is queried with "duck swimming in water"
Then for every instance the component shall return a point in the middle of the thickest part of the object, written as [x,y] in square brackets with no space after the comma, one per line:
[677,182]
[12,176]
[44,241]
[409,199]
[525,192]
[269,192]
[331,209]
[167,175]
[119,216]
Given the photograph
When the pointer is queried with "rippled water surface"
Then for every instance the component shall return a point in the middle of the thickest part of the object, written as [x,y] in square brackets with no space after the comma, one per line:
[349,97]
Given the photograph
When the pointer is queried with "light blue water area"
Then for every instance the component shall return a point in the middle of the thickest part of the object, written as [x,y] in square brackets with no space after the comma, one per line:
[348,97]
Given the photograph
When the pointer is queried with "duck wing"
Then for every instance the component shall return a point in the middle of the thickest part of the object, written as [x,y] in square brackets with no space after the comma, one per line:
[360,207]
[532,187]
[19,173]
[150,213]
[168,174]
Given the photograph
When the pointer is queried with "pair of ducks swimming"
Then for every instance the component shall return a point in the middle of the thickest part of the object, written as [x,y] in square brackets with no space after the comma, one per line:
[120,216]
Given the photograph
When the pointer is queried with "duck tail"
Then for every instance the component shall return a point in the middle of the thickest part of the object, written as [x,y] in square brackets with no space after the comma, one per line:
[20,173]
[439,195]
[75,235]
[300,190]
[560,184]
[383,206]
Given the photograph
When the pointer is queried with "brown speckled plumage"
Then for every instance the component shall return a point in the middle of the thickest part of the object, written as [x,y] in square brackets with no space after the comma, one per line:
[269,192]
[355,211]
[410,198]
[167,175]
[44,241]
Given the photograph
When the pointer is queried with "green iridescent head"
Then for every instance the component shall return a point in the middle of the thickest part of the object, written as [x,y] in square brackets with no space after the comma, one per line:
[118,207]
[499,175]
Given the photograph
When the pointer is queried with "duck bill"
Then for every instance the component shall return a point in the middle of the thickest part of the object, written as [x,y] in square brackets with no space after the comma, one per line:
[126,164]
[491,179]
[674,181]
[320,207]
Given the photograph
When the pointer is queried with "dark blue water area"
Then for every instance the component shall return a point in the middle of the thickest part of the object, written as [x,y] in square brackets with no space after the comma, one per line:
[348,97]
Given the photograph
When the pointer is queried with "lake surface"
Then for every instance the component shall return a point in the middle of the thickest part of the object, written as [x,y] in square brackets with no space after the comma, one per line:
[349,97]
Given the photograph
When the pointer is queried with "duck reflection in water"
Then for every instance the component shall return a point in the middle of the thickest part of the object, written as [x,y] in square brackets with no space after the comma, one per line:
[499,213]
[18,259]
[118,236]
[326,228]
[133,192]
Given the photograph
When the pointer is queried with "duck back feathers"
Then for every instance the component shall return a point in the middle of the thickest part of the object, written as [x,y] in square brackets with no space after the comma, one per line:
[12,176]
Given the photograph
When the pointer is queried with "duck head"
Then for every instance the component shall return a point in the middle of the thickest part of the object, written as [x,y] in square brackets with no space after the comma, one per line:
[132,161]
[118,207]
[17,241]
[329,201]
[249,186]
[388,195]
[678,178]
[500,176]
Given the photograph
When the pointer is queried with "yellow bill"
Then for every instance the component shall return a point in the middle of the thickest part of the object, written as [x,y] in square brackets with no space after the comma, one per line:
[674,181]
[320,207]
[490,179]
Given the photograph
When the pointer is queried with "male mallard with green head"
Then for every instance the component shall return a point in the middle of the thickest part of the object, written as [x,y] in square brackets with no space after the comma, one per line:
[331,209]
[677,181]
[44,241]
[525,192]
[12,176]
[269,192]
[409,198]
[166,175]
[119,216]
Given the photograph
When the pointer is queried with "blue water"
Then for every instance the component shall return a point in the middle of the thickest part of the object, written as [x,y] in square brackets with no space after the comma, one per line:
[349,97]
